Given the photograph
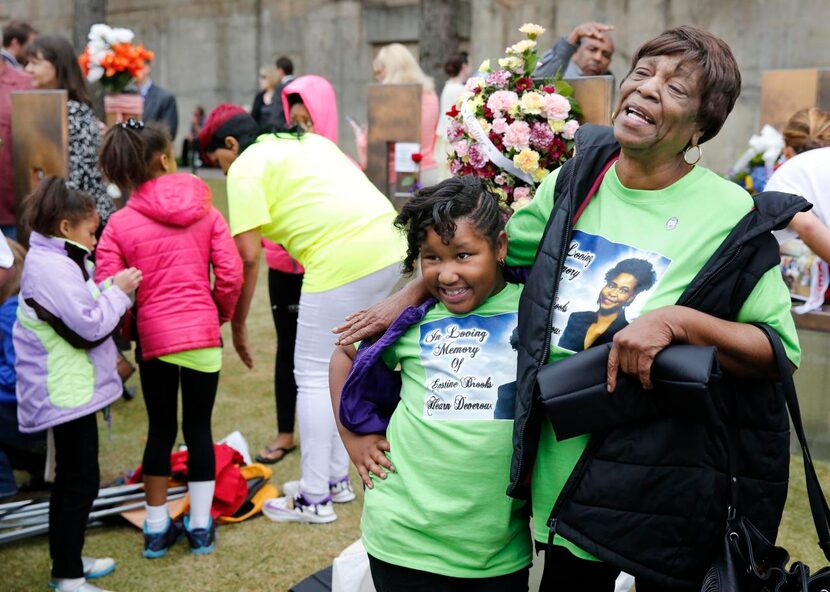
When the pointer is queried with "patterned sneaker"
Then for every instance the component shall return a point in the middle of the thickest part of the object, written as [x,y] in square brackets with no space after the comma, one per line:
[157,543]
[97,567]
[341,491]
[298,509]
[202,540]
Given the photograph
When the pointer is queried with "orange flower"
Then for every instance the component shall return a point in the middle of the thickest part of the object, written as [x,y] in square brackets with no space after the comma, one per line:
[83,60]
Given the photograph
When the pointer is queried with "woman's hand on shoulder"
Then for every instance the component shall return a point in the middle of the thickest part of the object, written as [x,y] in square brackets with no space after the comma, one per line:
[635,347]
[368,455]
[376,319]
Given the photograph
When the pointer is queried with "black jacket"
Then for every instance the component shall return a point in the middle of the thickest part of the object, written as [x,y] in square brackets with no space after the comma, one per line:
[652,498]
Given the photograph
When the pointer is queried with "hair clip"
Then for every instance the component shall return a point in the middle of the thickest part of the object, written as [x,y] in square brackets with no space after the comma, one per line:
[134,124]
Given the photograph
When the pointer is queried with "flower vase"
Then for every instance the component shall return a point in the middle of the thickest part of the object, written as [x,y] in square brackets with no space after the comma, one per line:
[122,106]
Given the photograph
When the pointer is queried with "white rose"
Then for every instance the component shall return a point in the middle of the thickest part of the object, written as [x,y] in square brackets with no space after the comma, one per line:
[99,32]
[95,73]
[122,36]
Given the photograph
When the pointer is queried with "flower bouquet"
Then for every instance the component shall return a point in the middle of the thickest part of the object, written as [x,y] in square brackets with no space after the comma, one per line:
[111,60]
[511,129]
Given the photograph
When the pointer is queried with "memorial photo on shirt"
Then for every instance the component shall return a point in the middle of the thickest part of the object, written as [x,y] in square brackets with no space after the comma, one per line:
[602,289]
[461,383]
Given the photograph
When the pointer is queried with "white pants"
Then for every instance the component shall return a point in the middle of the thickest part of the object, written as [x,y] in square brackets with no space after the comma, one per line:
[324,458]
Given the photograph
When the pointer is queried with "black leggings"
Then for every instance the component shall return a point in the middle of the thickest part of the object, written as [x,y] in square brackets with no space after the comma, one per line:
[160,385]
[76,486]
[566,572]
[284,291]
[388,577]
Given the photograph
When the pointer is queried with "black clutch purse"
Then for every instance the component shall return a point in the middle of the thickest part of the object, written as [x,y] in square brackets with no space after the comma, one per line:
[577,400]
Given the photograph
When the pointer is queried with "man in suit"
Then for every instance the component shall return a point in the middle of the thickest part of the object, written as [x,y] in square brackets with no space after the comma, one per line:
[285,74]
[16,36]
[159,104]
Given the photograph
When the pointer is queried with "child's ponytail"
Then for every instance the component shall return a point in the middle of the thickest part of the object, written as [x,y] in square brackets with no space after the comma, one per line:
[128,151]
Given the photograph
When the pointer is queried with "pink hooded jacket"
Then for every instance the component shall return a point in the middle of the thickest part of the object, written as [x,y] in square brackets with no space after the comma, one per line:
[171,232]
[321,101]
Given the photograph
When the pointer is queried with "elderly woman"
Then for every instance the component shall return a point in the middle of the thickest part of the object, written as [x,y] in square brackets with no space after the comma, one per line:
[650,498]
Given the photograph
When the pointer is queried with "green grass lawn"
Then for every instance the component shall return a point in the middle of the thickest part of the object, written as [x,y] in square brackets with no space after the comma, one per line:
[258,554]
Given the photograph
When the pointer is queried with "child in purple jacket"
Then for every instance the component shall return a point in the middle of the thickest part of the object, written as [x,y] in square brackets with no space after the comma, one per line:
[66,363]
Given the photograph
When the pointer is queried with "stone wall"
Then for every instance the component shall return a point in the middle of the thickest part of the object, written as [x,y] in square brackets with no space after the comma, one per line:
[209,51]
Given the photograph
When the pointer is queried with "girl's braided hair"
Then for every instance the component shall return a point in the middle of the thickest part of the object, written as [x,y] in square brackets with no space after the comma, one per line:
[439,206]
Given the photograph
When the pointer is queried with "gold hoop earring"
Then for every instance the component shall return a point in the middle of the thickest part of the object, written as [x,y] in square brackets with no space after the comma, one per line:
[699,155]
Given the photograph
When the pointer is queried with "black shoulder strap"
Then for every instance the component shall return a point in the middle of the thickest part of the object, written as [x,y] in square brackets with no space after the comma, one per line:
[818,503]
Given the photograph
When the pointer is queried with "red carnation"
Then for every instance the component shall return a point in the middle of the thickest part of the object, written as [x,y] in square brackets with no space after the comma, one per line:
[453,112]
[523,84]
[549,89]
[488,113]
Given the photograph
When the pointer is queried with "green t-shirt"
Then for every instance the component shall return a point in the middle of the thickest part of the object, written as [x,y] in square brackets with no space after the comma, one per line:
[444,510]
[306,195]
[660,239]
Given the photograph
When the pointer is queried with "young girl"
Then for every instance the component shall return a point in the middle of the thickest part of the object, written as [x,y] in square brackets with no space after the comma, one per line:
[170,229]
[66,362]
[436,516]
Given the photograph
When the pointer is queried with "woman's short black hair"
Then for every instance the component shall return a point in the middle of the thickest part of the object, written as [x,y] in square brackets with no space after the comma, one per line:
[455,62]
[642,270]
[720,77]
[59,52]
[439,206]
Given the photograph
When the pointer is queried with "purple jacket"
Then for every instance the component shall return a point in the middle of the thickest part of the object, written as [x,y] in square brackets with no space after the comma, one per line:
[66,359]
[372,391]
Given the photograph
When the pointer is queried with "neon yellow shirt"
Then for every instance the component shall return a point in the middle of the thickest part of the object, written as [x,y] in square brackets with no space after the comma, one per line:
[206,359]
[306,195]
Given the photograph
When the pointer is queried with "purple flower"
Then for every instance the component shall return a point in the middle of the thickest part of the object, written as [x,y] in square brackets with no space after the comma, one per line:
[477,157]
[541,136]
[455,167]
[499,78]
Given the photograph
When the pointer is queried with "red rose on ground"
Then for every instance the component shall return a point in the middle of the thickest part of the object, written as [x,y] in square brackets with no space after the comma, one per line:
[417,157]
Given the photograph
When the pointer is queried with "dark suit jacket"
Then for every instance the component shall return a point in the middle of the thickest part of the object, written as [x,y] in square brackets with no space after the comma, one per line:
[160,105]
[573,338]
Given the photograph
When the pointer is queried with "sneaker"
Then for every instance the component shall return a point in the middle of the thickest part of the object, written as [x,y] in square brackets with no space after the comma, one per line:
[84,587]
[298,509]
[97,567]
[157,543]
[341,492]
[202,540]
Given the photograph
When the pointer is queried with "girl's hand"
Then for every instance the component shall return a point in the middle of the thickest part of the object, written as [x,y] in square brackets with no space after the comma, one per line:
[127,279]
[367,454]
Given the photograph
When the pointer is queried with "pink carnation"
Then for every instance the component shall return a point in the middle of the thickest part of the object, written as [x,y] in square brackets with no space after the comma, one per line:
[455,131]
[555,106]
[499,125]
[461,147]
[569,131]
[501,100]
[517,136]
[477,157]
[500,180]
[521,193]
[541,136]
[455,166]
[499,78]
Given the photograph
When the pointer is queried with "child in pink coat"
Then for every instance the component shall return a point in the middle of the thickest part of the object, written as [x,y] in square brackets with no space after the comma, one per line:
[170,231]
